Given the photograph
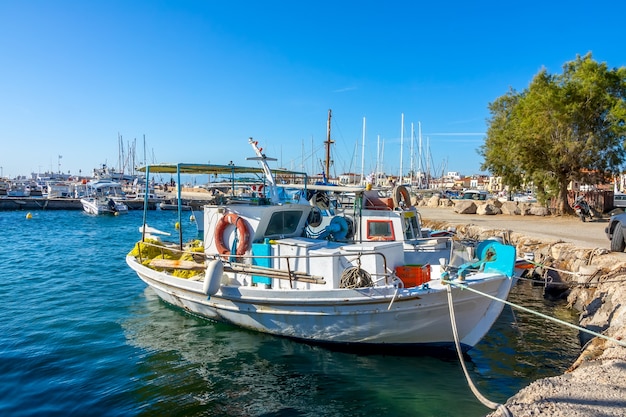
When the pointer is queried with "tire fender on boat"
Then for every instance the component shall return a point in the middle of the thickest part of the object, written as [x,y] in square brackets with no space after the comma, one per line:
[244,236]
[401,197]
[213,277]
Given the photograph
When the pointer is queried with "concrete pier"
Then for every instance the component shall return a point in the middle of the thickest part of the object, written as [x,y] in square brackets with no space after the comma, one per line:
[39,203]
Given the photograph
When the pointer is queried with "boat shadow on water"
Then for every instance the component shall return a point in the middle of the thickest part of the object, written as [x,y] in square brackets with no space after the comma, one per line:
[198,365]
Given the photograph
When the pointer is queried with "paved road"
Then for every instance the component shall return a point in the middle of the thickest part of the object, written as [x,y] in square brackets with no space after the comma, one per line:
[562,228]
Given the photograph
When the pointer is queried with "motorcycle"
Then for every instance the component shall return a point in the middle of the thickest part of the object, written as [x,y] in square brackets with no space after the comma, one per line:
[582,209]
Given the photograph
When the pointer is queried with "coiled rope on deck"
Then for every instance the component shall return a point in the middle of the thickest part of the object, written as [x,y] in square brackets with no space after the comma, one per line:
[355,277]
[486,402]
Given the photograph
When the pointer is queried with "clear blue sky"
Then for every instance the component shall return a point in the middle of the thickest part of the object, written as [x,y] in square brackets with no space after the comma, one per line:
[198,78]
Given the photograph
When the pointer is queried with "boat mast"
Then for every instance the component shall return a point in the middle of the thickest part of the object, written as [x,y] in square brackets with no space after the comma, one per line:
[382,157]
[428,157]
[328,142]
[363,153]
[419,153]
[400,178]
[377,172]
[412,153]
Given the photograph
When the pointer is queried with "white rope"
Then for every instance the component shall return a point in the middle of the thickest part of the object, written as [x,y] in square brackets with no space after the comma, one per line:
[395,294]
[582,329]
[486,402]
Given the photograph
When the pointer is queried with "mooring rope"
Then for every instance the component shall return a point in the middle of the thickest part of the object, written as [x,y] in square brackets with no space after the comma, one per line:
[485,401]
[574,284]
[562,271]
[464,286]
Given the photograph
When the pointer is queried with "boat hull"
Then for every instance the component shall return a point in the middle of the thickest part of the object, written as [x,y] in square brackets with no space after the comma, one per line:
[97,207]
[382,316]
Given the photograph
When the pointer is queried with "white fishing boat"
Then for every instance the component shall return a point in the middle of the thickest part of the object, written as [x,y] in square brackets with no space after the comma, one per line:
[104,197]
[255,268]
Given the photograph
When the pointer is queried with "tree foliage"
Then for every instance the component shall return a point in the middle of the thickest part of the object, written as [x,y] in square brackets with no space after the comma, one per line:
[562,128]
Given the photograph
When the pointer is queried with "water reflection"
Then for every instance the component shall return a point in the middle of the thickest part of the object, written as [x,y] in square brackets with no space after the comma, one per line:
[195,367]
[522,347]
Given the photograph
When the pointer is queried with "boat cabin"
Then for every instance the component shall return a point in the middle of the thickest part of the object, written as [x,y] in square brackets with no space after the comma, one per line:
[105,188]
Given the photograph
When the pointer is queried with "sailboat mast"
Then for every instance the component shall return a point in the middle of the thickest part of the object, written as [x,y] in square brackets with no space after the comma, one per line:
[401,148]
[144,150]
[119,152]
[377,171]
[428,160]
[412,152]
[363,153]
[328,142]
[382,158]
[419,152]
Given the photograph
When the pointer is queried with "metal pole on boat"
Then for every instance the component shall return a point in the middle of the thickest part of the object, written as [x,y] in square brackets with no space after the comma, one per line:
[180,208]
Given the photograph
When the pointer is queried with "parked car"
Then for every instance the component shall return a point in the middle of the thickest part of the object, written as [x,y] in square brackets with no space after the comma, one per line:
[619,200]
[524,198]
[615,232]
[474,195]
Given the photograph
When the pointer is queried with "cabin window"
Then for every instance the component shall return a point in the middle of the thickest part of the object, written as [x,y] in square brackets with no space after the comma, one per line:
[283,223]
[411,227]
[380,230]
[315,217]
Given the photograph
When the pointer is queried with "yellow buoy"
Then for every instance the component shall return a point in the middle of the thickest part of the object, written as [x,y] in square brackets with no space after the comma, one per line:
[192,218]
[177,226]
[29,215]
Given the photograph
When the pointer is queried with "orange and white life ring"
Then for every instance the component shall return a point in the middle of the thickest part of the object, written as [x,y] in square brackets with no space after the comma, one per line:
[244,236]
[401,197]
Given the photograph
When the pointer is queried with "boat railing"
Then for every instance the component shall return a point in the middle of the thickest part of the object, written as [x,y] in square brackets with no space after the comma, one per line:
[378,277]
[169,256]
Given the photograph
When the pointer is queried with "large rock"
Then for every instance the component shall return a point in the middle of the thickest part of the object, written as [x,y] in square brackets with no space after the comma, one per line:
[495,202]
[510,208]
[433,201]
[465,207]
[488,209]
[539,211]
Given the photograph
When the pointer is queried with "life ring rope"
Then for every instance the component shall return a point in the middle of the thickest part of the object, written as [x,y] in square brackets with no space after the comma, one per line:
[401,197]
[243,244]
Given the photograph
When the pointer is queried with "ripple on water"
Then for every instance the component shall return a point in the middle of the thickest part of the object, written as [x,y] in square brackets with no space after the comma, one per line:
[82,335]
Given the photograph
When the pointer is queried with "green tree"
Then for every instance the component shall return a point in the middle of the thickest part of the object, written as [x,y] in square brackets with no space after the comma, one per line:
[562,128]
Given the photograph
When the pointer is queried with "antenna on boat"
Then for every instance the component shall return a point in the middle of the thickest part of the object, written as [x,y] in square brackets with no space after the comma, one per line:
[266,169]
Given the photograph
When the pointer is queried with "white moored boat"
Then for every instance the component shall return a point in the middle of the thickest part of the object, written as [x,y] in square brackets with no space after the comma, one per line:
[380,287]
[104,197]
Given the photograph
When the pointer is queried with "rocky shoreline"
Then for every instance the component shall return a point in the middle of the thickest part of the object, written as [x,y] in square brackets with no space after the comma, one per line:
[594,282]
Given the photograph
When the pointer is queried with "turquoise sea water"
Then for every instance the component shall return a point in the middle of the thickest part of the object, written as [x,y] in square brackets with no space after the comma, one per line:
[80,334]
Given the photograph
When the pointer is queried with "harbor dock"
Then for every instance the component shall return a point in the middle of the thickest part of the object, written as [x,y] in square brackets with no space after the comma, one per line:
[34,203]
